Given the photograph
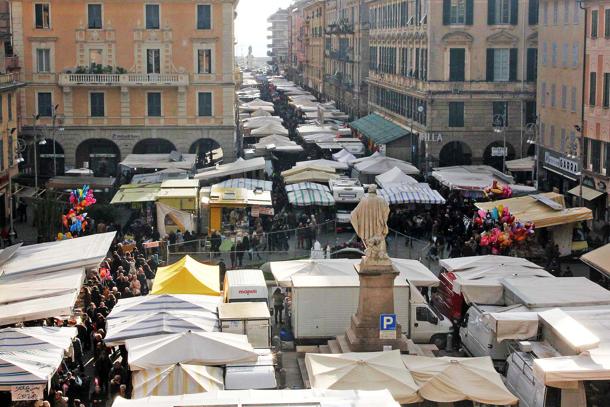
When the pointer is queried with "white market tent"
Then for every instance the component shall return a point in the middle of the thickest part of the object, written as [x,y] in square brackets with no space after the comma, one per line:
[176,380]
[165,322]
[321,138]
[344,156]
[239,166]
[450,379]
[256,122]
[206,348]
[247,183]
[260,113]
[35,337]
[525,164]
[307,186]
[277,143]
[362,371]
[309,129]
[470,177]
[160,161]
[377,164]
[311,197]
[309,176]
[324,163]
[409,270]
[394,177]
[480,278]
[267,398]
[153,304]
[557,292]
[269,129]
[35,366]
[411,194]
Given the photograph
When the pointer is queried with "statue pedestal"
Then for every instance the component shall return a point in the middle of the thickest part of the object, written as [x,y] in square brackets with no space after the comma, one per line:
[376,298]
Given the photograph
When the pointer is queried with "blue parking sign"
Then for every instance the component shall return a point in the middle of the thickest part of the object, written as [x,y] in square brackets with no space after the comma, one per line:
[387,322]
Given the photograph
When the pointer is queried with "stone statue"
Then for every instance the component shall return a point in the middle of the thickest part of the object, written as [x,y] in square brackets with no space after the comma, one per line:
[369,220]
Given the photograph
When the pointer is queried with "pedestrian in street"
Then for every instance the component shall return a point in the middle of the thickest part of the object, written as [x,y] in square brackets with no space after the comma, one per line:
[278,305]
[22,210]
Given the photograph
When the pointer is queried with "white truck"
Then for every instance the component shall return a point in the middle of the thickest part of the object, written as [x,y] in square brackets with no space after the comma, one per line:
[245,286]
[347,192]
[322,307]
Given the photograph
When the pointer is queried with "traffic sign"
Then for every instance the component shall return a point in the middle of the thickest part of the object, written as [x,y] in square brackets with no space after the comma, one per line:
[387,326]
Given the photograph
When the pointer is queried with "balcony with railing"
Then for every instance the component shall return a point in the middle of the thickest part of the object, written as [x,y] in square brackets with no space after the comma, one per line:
[128,79]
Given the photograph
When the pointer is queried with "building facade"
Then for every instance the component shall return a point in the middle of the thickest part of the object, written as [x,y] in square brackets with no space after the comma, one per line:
[596,128]
[296,42]
[472,96]
[112,78]
[278,48]
[560,85]
[315,17]
[346,50]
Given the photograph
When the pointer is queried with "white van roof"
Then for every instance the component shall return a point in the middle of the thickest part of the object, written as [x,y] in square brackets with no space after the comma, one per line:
[243,310]
[242,278]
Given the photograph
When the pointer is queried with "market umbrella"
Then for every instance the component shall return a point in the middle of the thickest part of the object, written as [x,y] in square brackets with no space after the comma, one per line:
[152,304]
[176,379]
[283,271]
[362,371]
[164,322]
[449,379]
[36,337]
[206,348]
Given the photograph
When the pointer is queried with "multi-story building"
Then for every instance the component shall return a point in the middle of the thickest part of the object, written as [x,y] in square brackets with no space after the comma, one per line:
[560,85]
[596,126]
[278,48]
[482,72]
[296,42]
[111,78]
[315,16]
[346,47]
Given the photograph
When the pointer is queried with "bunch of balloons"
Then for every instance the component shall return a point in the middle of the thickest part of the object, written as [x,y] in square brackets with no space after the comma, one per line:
[500,230]
[496,191]
[75,220]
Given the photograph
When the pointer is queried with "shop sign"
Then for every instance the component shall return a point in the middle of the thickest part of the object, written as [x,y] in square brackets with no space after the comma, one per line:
[562,163]
[431,137]
[125,137]
[499,151]
[257,211]
[25,392]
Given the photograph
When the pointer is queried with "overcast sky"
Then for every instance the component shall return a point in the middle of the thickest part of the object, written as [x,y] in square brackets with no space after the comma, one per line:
[251,24]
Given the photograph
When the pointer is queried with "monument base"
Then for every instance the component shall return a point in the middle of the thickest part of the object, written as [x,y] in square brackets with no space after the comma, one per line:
[362,338]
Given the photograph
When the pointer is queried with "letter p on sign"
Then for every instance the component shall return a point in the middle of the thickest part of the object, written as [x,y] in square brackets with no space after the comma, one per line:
[387,322]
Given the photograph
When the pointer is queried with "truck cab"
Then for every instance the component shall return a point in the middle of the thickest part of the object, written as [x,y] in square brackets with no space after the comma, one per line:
[428,325]
[347,192]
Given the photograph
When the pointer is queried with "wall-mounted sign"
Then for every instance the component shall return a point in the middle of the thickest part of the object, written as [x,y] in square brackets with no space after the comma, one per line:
[561,163]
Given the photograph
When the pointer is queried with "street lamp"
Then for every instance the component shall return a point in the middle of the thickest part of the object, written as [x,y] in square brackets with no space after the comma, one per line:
[499,128]
[35,117]
[10,187]
[531,129]
[575,151]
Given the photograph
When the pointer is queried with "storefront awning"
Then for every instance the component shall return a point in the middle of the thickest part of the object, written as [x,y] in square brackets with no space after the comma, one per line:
[588,194]
[378,129]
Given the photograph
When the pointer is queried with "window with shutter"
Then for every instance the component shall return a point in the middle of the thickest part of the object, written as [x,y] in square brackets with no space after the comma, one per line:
[204,61]
[573,99]
[500,114]
[205,104]
[489,75]
[154,104]
[594,21]
[501,65]
[457,64]
[204,17]
[97,104]
[606,95]
[152,16]
[553,95]
[566,12]
[456,114]
[153,60]
[532,12]
[94,16]
[532,64]
[457,14]
[543,94]
[564,97]
[592,87]
[43,60]
[42,16]
[45,104]
[607,23]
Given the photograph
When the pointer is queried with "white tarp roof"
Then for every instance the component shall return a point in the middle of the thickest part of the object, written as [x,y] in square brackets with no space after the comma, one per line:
[307,129]
[525,164]
[571,331]
[266,398]
[176,380]
[451,379]
[256,122]
[363,371]
[240,166]
[148,161]
[152,304]
[324,163]
[35,337]
[35,366]
[409,270]
[205,348]
[344,156]
[485,263]
[159,323]
[246,183]
[563,371]
[277,143]
[470,177]
[377,164]
[394,177]
[419,193]
[270,128]
[556,292]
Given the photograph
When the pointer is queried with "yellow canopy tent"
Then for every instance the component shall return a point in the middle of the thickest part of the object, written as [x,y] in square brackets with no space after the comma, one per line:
[187,276]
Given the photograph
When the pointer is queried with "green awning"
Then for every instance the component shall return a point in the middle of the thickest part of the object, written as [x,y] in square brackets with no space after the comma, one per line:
[378,129]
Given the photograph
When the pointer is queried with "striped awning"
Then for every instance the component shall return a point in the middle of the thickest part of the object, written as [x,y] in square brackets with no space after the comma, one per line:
[34,366]
[412,194]
[177,380]
[309,197]
[247,183]
[36,337]
[152,304]
[305,186]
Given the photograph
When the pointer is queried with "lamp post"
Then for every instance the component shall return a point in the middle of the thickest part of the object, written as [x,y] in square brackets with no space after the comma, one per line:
[10,186]
[576,150]
[499,128]
[35,118]
[54,115]
[531,130]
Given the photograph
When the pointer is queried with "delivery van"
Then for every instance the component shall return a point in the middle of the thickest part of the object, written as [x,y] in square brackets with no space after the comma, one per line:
[245,286]
[347,192]
[322,307]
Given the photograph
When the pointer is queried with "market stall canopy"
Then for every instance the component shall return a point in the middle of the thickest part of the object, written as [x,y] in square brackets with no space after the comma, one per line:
[307,129]
[599,259]
[411,194]
[260,113]
[204,348]
[72,182]
[324,163]
[175,380]
[268,398]
[132,193]
[31,367]
[525,164]
[237,197]
[565,371]
[187,276]
[588,194]
[154,304]
[544,210]
[377,164]
[557,292]
[470,177]
[182,219]
[310,176]
[394,177]
[308,167]
[160,161]
[411,271]
[307,185]
[483,264]
[256,122]
[246,183]
[160,176]
[269,129]
[165,322]
[310,197]
[320,138]
[344,156]
[277,143]
[451,379]
[35,337]
[362,371]
[239,166]
[379,129]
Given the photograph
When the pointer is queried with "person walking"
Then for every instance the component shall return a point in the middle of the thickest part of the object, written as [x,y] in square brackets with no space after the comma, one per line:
[278,305]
